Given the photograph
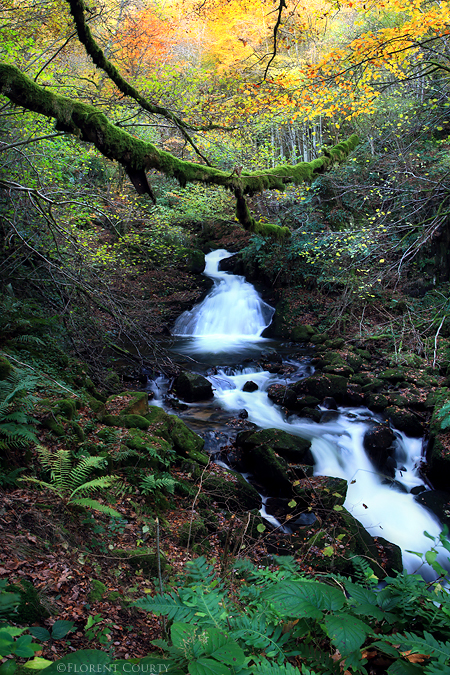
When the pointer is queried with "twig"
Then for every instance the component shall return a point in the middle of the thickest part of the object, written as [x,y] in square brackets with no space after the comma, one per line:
[435,341]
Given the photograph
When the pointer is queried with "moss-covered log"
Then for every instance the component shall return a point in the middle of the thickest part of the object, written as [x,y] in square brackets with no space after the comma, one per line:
[138,157]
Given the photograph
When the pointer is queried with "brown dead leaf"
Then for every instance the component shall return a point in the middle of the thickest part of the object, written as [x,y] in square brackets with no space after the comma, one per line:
[415,658]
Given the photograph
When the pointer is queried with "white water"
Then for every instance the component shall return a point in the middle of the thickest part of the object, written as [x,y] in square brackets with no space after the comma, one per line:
[230,316]
[234,314]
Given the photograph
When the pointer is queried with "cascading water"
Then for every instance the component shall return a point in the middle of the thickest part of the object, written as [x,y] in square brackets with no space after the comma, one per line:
[234,316]
[231,315]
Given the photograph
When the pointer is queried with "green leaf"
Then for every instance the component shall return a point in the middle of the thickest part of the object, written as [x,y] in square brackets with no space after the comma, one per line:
[39,633]
[337,507]
[430,556]
[9,667]
[181,633]
[261,528]
[304,598]
[292,503]
[404,668]
[38,663]
[222,648]
[346,632]
[83,661]
[204,666]
[328,551]
[24,647]
[62,628]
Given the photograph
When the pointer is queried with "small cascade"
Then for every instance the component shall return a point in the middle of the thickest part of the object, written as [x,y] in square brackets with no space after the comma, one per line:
[232,314]
[231,320]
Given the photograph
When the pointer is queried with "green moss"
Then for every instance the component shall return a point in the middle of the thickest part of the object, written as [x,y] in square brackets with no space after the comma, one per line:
[126,421]
[65,407]
[95,405]
[137,406]
[197,529]
[53,425]
[78,431]
[97,592]
[5,368]
[30,609]
[141,559]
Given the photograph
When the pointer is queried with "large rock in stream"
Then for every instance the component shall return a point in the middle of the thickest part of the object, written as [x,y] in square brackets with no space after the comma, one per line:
[266,454]
[193,387]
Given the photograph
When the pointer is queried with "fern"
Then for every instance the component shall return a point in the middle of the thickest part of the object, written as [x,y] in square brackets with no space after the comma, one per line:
[255,632]
[151,484]
[68,481]
[16,404]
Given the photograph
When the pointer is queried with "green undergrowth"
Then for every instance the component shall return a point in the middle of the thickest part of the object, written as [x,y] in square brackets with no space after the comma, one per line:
[278,621]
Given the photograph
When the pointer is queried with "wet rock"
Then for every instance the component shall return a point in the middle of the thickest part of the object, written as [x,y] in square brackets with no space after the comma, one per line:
[173,429]
[193,387]
[250,386]
[379,445]
[344,370]
[311,414]
[329,403]
[305,402]
[405,421]
[329,416]
[354,395]
[376,402]
[438,502]
[282,395]
[234,494]
[304,520]
[321,386]
[291,448]
[243,414]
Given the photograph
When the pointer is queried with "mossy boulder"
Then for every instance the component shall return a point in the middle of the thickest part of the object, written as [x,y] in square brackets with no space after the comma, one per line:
[170,427]
[236,495]
[392,375]
[405,420]
[66,407]
[376,402]
[54,425]
[141,559]
[269,470]
[282,395]
[194,532]
[153,450]
[378,443]
[322,385]
[302,333]
[292,448]
[126,421]
[193,387]
[5,368]
[128,403]
[193,260]
[96,405]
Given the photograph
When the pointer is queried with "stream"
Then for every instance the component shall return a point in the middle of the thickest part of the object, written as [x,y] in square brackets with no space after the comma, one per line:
[221,336]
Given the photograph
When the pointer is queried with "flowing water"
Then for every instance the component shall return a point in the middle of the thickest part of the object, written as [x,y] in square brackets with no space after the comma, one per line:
[226,329]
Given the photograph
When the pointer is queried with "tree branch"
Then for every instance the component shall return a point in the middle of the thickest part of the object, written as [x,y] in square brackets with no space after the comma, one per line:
[137,156]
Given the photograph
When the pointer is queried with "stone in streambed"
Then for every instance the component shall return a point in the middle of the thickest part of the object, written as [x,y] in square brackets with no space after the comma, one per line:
[193,387]
[379,445]
[321,386]
[282,395]
[292,448]
[250,386]
[438,502]
[405,421]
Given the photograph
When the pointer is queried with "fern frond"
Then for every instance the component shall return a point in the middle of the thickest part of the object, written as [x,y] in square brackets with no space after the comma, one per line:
[41,483]
[320,659]
[423,645]
[256,632]
[199,570]
[95,484]
[96,506]
[81,471]
[267,668]
[168,604]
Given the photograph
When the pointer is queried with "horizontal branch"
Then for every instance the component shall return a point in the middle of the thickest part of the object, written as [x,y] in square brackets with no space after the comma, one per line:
[137,156]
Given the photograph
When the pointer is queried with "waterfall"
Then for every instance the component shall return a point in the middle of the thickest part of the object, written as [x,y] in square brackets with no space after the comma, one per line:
[233,314]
